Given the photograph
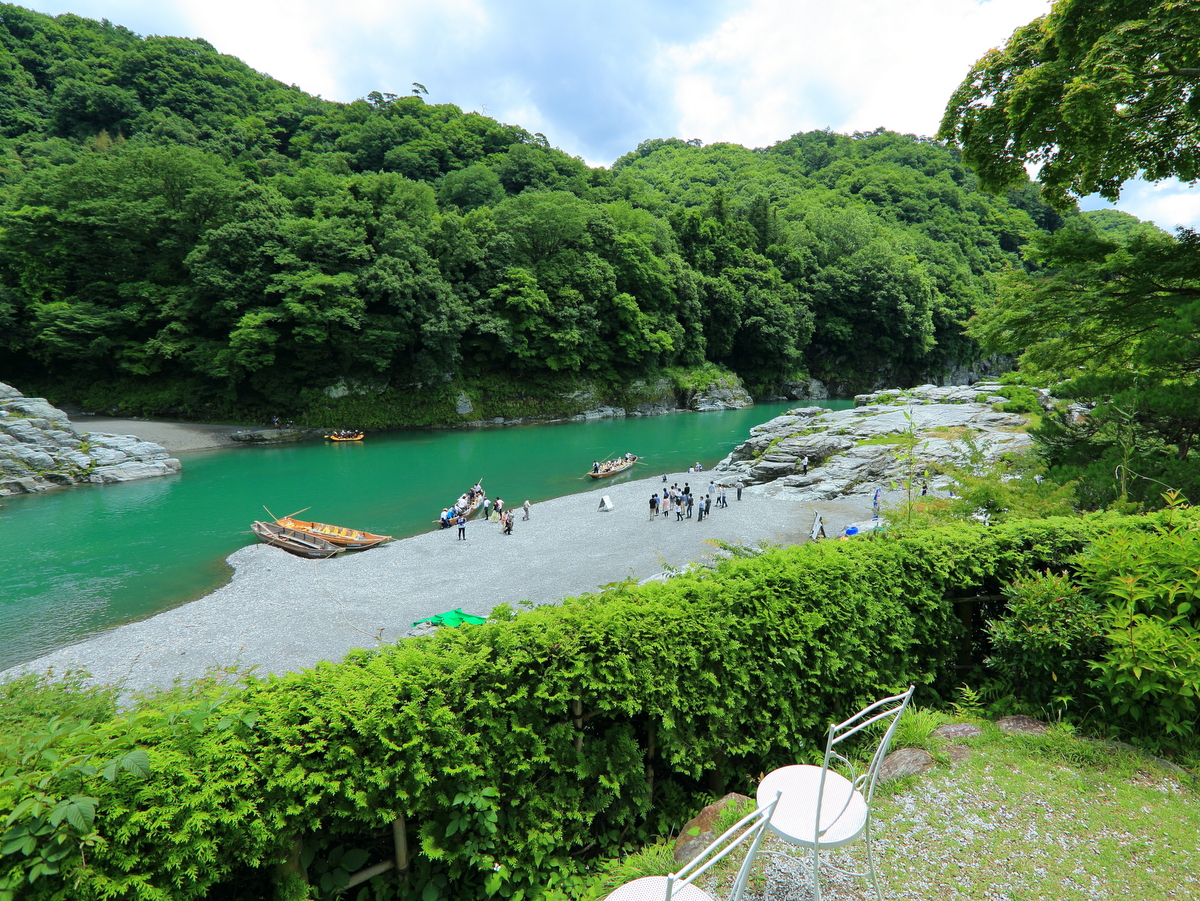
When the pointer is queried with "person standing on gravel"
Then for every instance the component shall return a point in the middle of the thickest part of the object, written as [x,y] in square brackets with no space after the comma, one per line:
[653,506]
[462,527]
[526,516]
[739,486]
[721,500]
[708,505]
[691,501]
[700,512]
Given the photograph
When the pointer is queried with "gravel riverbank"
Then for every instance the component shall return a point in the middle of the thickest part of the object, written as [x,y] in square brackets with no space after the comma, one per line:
[282,613]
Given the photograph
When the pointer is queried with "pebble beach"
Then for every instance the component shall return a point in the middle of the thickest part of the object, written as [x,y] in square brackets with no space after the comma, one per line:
[282,613]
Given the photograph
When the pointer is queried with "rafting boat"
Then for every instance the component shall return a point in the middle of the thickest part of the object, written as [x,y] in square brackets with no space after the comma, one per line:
[296,542]
[350,539]
[353,436]
[612,467]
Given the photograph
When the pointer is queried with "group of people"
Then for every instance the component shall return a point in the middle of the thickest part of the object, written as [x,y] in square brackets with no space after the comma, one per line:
[466,504]
[346,434]
[682,502]
[609,465]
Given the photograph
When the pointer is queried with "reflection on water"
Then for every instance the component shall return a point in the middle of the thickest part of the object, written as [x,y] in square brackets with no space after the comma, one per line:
[80,560]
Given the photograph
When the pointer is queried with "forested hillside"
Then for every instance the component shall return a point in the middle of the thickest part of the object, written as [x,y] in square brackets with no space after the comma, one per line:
[171,217]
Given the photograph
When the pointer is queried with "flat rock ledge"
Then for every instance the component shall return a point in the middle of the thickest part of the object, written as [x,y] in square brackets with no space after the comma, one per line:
[854,452]
[40,449]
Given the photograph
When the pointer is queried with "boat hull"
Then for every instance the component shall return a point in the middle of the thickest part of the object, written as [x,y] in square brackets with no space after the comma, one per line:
[616,470]
[300,543]
[350,539]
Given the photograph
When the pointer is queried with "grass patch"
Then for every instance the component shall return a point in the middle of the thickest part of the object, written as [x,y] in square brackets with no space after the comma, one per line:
[1051,816]
[1042,816]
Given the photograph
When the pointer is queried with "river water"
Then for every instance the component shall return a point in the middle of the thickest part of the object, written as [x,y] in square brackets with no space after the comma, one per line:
[85,559]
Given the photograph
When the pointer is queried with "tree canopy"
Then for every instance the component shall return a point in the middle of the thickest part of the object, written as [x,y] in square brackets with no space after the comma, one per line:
[168,213]
[1096,92]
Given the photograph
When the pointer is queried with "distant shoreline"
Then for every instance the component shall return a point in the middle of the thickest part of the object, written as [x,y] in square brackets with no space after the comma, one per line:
[175,437]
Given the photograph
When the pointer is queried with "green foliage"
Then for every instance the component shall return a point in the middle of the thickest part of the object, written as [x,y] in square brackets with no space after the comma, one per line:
[473,734]
[1096,93]
[1020,400]
[173,218]
[1048,637]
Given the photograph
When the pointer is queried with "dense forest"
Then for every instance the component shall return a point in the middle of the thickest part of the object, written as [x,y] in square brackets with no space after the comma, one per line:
[172,217]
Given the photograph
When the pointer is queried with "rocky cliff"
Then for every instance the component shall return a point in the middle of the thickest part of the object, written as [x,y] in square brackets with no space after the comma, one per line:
[854,452]
[40,449]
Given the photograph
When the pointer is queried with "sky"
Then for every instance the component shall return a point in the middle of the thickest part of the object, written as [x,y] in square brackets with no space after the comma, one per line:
[597,78]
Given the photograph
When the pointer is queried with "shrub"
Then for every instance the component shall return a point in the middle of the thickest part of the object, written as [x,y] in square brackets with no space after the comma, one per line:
[1046,641]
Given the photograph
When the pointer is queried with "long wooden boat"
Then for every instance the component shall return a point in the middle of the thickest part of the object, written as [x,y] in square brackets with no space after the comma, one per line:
[296,542]
[350,539]
[470,510]
[612,467]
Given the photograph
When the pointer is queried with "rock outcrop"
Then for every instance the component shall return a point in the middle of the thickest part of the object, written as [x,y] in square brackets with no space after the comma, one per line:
[40,449]
[857,451]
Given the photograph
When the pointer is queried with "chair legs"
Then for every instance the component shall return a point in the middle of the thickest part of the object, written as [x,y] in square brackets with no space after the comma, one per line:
[871,864]
[816,874]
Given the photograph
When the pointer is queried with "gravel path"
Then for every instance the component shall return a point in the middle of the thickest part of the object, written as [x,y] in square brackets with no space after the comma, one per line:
[282,613]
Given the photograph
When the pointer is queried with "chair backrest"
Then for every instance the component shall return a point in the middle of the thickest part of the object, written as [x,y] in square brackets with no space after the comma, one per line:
[746,832]
[884,713]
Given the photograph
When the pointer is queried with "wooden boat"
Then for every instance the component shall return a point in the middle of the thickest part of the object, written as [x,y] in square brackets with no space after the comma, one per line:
[296,542]
[357,436]
[473,509]
[612,467]
[350,539]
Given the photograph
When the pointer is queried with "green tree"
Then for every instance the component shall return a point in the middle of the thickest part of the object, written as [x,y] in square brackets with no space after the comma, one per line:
[1096,92]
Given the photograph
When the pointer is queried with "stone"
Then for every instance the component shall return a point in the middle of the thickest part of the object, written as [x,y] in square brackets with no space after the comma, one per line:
[463,406]
[905,762]
[958,731]
[40,449]
[1021,723]
[697,833]
[853,452]
[958,753]
[133,470]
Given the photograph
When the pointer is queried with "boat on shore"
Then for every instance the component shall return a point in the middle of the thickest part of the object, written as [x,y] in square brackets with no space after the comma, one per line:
[350,539]
[467,504]
[300,543]
[612,467]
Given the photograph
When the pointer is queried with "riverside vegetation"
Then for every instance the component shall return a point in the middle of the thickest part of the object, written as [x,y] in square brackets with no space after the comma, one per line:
[226,246]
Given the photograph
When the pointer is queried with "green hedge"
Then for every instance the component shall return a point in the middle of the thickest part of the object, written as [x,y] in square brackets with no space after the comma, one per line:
[694,685]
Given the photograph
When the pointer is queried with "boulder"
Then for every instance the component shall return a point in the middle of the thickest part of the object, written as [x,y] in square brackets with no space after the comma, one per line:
[905,762]
[957,731]
[854,452]
[698,833]
[40,449]
[1021,723]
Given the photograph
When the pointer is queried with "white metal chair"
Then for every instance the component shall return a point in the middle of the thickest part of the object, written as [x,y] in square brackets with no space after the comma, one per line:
[822,809]
[680,885]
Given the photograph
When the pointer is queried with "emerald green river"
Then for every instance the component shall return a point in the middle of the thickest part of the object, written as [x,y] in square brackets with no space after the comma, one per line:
[85,559]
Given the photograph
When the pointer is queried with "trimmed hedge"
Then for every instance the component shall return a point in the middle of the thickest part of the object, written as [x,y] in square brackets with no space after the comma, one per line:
[506,786]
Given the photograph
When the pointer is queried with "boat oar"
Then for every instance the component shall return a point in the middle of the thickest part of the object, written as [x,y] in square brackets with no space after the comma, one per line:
[297,513]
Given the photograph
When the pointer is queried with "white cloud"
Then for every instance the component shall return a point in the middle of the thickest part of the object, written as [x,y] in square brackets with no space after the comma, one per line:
[598,76]
[1168,204]
[781,66]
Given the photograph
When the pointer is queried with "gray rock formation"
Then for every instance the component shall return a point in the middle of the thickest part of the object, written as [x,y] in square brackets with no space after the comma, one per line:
[725,394]
[857,451]
[40,449]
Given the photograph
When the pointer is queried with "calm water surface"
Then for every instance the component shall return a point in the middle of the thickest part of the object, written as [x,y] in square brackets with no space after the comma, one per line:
[85,559]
